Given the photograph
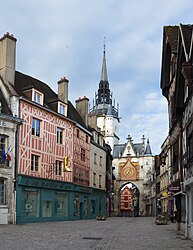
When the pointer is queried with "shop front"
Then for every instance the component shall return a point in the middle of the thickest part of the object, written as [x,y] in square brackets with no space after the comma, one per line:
[41,200]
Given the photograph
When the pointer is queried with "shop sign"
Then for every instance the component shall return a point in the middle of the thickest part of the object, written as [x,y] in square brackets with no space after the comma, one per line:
[46,184]
[174,189]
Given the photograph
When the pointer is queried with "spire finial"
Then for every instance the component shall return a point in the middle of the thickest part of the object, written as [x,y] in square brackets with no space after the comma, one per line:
[104,46]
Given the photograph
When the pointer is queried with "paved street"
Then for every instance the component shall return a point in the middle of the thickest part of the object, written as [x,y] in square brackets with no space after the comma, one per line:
[114,233]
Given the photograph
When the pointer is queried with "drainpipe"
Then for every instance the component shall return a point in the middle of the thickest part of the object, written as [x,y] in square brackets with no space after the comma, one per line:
[16,166]
[186,218]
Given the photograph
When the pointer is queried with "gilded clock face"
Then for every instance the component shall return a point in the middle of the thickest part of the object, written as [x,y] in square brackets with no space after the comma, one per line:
[128,172]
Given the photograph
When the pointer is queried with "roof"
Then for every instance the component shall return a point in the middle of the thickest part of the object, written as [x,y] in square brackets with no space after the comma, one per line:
[172,33]
[4,106]
[24,82]
[138,149]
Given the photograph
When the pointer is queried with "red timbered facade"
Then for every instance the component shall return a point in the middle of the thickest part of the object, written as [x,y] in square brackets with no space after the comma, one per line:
[39,143]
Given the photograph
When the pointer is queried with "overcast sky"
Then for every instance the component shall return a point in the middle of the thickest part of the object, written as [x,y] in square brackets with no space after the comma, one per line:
[65,38]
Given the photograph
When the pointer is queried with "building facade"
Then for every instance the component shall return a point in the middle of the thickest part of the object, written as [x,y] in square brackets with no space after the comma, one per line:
[51,173]
[133,164]
[176,84]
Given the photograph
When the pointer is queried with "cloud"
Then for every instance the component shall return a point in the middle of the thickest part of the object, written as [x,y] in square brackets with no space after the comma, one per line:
[65,38]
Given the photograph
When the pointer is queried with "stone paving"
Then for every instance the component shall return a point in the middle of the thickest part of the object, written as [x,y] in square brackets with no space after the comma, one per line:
[113,234]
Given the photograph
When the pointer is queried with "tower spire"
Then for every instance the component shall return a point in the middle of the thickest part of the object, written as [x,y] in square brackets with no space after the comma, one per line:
[104,66]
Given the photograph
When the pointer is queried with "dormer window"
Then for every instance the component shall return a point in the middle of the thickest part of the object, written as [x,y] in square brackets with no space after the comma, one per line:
[37,97]
[62,109]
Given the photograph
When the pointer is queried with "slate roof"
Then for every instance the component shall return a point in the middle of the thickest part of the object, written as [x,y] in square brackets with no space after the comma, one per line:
[138,149]
[4,107]
[24,82]
[172,33]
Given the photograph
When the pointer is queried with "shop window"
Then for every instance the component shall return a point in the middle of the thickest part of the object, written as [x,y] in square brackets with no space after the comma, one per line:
[58,167]
[61,204]
[34,163]
[30,202]
[82,154]
[59,136]
[76,204]
[35,127]
[2,191]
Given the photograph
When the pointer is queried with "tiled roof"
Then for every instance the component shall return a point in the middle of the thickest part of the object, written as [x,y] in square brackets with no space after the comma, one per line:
[172,33]
[24,82]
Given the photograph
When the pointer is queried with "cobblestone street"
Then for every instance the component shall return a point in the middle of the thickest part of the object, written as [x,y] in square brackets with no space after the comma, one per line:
[114,233]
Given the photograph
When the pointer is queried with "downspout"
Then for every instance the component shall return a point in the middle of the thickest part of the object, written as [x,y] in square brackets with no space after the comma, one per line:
[182,186]
[16,167]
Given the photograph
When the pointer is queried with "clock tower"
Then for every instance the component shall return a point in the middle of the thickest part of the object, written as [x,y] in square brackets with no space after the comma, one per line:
[107,115]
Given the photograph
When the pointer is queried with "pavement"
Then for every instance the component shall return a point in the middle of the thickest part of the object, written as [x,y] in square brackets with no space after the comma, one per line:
[115,233]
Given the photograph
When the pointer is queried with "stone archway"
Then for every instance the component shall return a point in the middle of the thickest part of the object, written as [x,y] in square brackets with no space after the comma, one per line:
[137,205]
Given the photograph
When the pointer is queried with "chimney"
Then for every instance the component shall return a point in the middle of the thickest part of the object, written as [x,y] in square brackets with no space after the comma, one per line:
[82,108]
[92,121]
[7,57]
[63,90]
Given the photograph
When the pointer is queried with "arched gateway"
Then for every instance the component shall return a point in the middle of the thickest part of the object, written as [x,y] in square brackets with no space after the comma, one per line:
[133,164]
[128,198]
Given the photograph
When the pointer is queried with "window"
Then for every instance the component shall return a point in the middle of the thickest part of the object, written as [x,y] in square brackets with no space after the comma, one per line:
[59,135]
[95,156]
[61,109]
[58,168]
[100,178]
[35,127]
[77,133]
[3,147]
[2,191]
[82,154]
[86,138]
[37,97]
[101,160]
[94,179]
[34,163]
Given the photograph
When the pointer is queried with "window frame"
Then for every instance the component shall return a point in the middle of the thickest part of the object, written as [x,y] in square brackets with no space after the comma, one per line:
[35,161]
[58,168]
[2,191]
[83,154]
[36,127]
[37,97]
[59,135]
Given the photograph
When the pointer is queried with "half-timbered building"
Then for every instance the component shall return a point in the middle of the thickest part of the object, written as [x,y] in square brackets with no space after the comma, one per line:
[53,148]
